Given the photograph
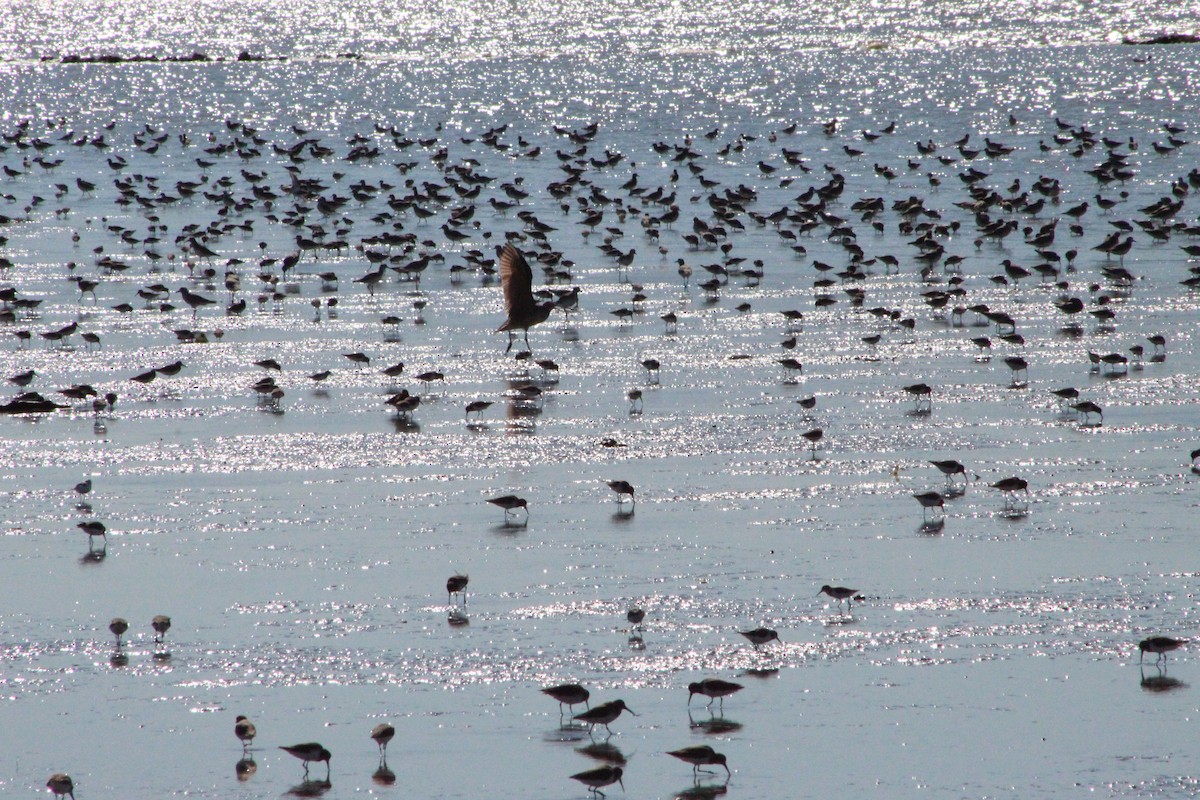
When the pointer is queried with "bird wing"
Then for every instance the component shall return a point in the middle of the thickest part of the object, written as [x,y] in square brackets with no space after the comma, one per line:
[517,279]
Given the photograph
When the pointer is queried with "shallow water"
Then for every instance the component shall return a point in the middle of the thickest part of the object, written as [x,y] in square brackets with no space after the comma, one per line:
[301,547]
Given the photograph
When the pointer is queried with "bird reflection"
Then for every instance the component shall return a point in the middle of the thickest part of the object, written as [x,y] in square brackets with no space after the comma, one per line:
[1158,681]
[404,424]
[94,555]
[310,788]
[383,776]
[932,526]
[245,769]
[715,724]
[458,617]
[636,642]
[119,659]
[698,792]
[603,751]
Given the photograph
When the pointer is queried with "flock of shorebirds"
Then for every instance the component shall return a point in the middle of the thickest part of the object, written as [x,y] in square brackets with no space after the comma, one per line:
[377,219]
[567,695]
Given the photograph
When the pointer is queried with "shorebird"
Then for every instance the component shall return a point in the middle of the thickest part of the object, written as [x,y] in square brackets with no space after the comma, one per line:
[950,468]
[510,503]
[840,593]
[622,488]
[603,714]
[713,689]
[245,731]
[83,488]
[477,407]
[814,436]
[309,751]
[161,624]
[568,694]
[382,734]
[1087,408]
[930,500]
[1159,645]
[118,626]
[456,584]
[1010,486]
[634,617]
[700,755]
[1016,364]
[600,776]
[922,395]
[760,636]
[523,312]
[195,300]
[61,784]
[791,365]
[651,365]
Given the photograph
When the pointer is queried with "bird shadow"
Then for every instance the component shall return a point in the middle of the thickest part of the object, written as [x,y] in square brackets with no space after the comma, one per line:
[511,527]
[623,516]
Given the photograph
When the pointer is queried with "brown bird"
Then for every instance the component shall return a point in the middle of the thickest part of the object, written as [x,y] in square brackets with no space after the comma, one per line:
[382,734]
[245,731]
[61,784]
[517,280]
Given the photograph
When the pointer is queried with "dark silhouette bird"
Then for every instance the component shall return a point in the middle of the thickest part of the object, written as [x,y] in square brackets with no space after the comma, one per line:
[634,616]
[457,584]
[309,751]
[61,785]
[622,488]
[1160,646]
[760,636]
[700,755]
[161,624]
[950,468]
[523,312]
[840,593]
[510,503]
[568,694]
[1010,486]
[604,714]
[713,689]
[118,626]
[930,500]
